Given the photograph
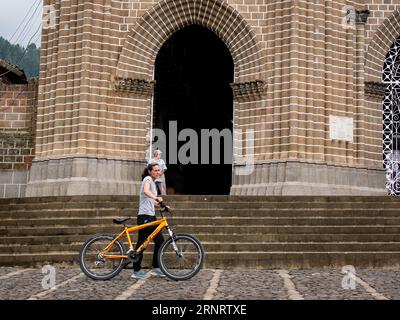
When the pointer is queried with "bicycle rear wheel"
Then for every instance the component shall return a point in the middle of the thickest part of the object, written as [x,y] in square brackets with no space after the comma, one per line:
[184,263]
[97,267]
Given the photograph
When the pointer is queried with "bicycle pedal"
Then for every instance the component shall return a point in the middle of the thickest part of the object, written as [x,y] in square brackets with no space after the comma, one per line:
[133,256]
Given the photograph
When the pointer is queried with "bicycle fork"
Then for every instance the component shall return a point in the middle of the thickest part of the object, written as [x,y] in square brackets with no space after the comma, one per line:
[173,238]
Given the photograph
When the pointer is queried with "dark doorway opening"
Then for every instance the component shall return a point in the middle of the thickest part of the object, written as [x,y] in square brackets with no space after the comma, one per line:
[193,72]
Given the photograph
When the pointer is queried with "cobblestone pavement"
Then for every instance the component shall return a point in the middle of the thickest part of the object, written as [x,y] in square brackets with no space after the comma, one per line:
[247,284]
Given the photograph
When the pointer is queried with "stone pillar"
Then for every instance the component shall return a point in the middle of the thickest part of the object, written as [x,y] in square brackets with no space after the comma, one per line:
[302,178]
[91,138]
[84,176]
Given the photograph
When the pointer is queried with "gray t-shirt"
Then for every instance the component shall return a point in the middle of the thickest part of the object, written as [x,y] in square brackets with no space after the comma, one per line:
[146,205]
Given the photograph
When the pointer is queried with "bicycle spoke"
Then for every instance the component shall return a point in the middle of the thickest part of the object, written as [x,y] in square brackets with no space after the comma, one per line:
[94,263]
[184,263]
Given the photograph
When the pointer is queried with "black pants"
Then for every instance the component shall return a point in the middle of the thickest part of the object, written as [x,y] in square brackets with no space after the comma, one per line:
[159,187]
[143,234]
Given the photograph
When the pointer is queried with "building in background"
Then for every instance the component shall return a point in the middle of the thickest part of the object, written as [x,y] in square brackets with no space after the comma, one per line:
[304,76]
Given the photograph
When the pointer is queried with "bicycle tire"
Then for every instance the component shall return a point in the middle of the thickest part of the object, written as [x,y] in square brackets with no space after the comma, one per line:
[84,265]
[166,251]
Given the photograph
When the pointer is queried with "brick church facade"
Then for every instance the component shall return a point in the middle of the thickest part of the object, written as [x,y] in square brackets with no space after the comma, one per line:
[306,79]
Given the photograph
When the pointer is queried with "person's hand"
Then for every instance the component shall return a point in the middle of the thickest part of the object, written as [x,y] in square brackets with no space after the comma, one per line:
[159,199]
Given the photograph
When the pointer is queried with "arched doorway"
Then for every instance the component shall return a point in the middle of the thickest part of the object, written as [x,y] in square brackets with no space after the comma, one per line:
[391,119]
[193,72]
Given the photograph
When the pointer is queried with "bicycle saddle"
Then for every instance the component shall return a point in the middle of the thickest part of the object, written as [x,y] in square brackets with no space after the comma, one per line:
[121,220]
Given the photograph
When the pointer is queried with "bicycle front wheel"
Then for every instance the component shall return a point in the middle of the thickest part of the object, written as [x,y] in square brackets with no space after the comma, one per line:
[183,261]
[94,265]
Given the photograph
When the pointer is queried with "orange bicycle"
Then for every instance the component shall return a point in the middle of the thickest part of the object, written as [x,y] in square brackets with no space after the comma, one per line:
[103,256]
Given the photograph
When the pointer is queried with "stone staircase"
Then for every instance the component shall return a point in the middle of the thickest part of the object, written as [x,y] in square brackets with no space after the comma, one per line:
[236,231]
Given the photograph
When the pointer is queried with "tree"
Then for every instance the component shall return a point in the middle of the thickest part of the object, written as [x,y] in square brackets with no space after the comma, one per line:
[27,59]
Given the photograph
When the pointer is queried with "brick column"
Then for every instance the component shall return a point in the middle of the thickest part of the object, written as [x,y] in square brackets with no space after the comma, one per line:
[90,139]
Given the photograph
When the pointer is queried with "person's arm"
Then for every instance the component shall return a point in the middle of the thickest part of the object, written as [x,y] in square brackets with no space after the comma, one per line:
[147,192]
[164,166]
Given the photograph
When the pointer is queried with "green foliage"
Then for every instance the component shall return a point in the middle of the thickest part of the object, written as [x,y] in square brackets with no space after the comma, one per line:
[29,61]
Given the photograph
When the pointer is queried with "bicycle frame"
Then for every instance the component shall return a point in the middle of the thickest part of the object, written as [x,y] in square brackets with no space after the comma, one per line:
[162,223]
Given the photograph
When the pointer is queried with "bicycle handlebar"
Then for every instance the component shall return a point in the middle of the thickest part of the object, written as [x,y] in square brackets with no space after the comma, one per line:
[164,207]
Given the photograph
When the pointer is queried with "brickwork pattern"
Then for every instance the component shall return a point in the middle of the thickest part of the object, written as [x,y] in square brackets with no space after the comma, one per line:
[311,63]
[382,30]
[79,110]
[122,39]
[17,131]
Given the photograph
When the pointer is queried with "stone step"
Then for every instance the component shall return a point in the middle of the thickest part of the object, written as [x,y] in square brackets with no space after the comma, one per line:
[236,231]
[230,260]
[191,206]
[195,229]
[121,198]
[231,246]
[180,221]
[274,260]
[208,212]
[218,237]
[201,205]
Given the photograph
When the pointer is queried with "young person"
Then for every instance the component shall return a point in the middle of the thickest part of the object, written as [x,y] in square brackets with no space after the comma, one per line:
[146,214]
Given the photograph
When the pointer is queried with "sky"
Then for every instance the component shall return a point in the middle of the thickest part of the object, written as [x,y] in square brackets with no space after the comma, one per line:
[13,12]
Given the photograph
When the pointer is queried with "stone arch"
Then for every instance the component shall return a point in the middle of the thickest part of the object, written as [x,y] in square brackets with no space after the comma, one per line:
[380,45]
[160,22]
[391,72]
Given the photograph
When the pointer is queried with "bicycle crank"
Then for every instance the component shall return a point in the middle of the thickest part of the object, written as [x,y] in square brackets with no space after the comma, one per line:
[133,256]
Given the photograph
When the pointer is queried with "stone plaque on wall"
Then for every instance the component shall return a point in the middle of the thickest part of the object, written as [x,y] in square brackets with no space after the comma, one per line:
[341,128]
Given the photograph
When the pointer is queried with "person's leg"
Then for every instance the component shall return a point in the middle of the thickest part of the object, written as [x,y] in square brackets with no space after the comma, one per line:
[158,241]
[158,187]
[163,189]
[143,234]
